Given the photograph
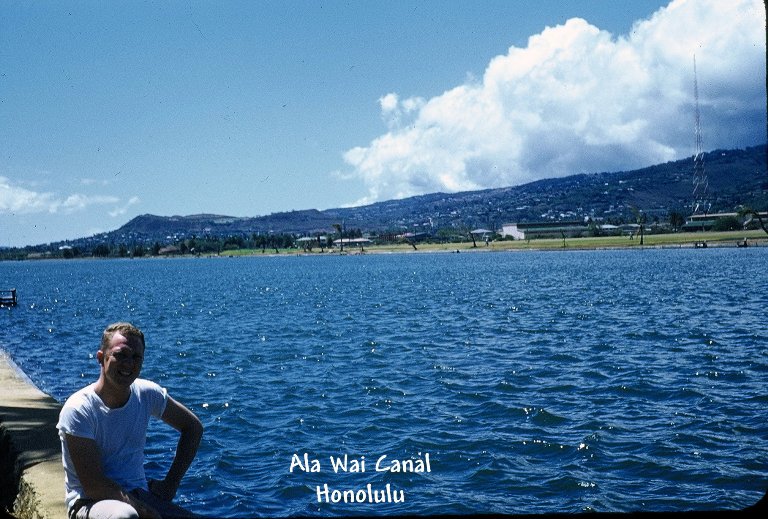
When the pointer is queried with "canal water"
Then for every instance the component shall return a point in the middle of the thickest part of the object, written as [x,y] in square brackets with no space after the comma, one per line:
[501,382]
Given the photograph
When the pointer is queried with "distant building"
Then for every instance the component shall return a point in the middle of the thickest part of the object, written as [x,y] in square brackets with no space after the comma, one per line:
[413,236]
[352,241]
[532,230]
[705,222]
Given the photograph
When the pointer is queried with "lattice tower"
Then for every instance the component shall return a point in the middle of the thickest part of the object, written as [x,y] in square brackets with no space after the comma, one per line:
[700,182]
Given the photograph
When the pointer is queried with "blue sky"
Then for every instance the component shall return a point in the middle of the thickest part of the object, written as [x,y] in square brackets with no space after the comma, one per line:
[109,110]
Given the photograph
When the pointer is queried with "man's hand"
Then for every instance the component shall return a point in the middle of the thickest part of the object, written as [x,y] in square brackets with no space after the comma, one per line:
[162,489]
[143,509]
[85,457]
[184,421]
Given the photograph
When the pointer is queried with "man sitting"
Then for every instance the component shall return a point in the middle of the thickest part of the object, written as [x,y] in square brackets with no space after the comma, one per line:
[103,429]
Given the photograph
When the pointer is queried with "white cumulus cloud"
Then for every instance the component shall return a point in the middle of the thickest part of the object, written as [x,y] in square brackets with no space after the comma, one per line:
[78,202]
[15,199]
[119,211]
[19,200]
[579,99]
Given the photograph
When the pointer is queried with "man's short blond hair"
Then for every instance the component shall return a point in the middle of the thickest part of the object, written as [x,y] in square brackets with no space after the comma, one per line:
[124,329]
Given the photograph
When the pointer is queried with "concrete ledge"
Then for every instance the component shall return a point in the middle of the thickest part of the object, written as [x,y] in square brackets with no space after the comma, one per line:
[31,474]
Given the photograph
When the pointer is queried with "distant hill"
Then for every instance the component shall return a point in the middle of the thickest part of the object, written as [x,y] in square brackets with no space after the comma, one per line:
[220,225]
[735,177]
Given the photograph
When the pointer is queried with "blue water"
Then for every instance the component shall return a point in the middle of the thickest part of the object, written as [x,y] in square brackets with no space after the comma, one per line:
[536,381]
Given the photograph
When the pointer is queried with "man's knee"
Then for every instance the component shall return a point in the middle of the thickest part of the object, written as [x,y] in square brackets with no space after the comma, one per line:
[108,509]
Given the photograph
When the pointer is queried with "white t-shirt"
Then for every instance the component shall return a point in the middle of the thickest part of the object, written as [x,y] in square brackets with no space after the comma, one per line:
[120,434]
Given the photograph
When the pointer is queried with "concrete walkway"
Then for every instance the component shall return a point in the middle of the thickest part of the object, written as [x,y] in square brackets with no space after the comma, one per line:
[31,474]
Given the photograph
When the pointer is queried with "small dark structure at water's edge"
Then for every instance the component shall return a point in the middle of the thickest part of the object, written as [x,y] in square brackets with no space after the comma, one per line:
[8,297]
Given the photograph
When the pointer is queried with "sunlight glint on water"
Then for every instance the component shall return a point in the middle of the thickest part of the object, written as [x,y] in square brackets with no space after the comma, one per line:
[537,382]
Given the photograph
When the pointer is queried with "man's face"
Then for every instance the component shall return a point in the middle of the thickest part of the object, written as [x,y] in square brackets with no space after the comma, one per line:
[122,360]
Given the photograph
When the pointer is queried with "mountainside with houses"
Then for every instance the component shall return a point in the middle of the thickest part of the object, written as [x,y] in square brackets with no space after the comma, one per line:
[736,177]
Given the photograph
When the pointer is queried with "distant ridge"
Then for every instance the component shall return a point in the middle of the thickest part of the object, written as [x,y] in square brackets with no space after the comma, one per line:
[735,177]
[203,224]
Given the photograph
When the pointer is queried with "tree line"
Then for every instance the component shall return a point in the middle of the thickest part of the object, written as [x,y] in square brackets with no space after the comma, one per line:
[202,245]
[745,218]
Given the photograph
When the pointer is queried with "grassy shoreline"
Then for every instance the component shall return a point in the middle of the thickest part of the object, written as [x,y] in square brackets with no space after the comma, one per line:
[755,238]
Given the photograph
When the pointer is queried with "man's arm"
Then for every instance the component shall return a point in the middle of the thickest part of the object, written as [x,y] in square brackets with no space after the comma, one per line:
[85,456]
[184,421]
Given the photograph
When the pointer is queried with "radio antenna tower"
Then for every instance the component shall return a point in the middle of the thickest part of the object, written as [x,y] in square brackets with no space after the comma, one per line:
[700,182]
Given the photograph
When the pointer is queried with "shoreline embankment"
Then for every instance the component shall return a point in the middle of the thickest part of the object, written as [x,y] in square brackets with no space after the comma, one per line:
[31,473]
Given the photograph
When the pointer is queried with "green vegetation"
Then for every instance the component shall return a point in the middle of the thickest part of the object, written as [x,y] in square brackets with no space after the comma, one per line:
[287,245]
[648,202]
[751,215]
[755,238]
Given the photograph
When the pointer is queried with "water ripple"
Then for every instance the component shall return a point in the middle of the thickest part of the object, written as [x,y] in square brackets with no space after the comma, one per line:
[537,382]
